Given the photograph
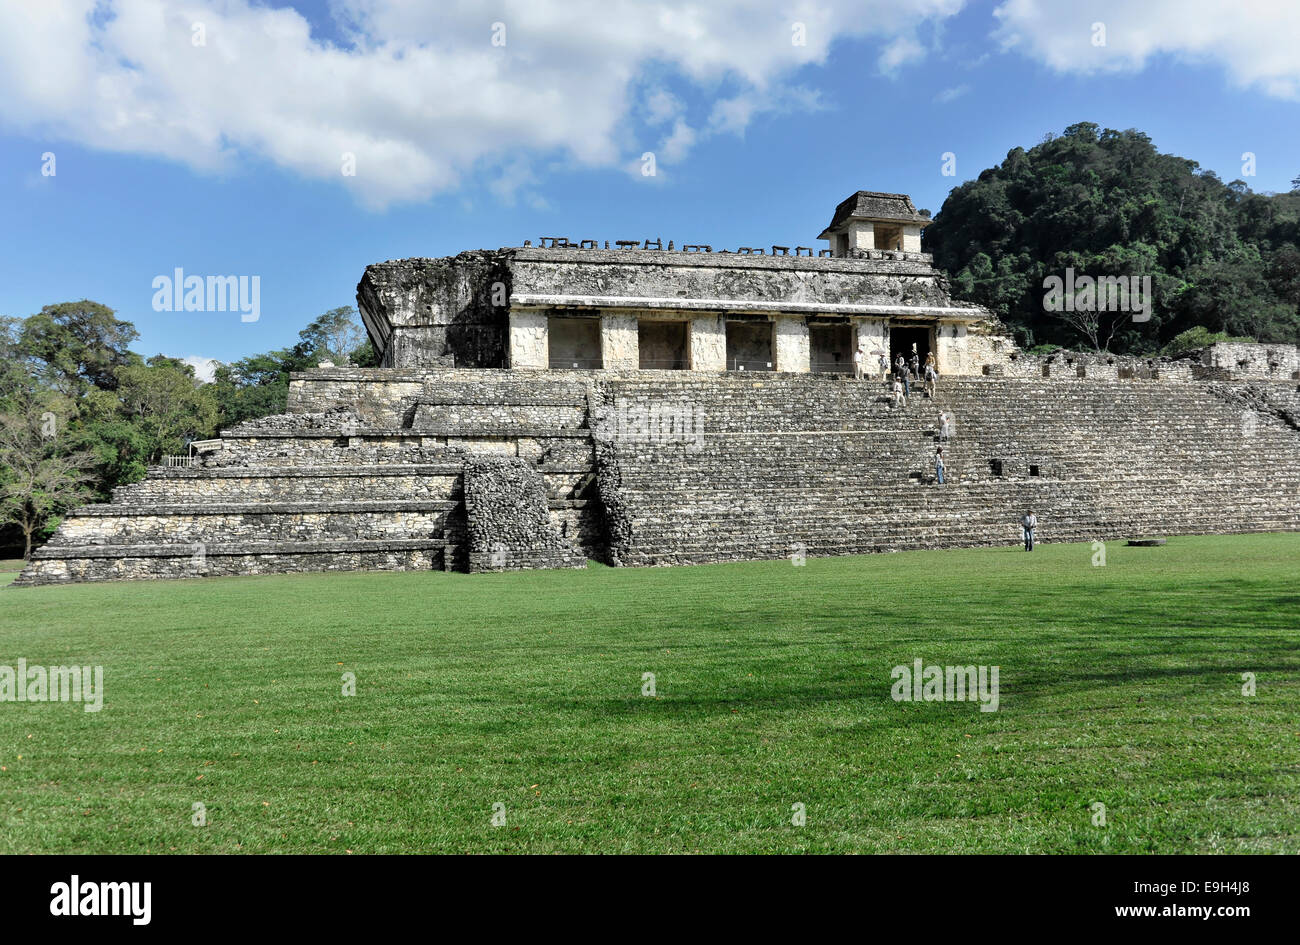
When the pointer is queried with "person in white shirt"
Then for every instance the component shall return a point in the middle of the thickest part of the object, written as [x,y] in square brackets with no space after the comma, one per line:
[1028,522]
[899,397]
[857,364]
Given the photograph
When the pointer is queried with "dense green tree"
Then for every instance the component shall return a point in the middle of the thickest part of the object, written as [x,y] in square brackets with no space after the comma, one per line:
[115,412]
[39,475]
[335,336]
[1107,203]
[74,346]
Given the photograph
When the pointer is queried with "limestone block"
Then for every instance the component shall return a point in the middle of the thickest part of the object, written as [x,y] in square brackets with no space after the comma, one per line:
[708,343]
[871,337]
[529,348]
[862,234]
[619,347]
[953,356]
[791,343]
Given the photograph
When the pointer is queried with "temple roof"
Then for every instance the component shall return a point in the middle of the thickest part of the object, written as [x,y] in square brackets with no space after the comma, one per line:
[875,205]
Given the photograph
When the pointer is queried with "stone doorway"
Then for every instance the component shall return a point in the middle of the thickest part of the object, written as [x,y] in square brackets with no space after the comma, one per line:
[749,346]
[662,345]
[574,343]
[831,347]
[903,337]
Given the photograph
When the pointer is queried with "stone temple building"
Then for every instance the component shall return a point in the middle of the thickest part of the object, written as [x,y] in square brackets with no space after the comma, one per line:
[576,305]
[642,403]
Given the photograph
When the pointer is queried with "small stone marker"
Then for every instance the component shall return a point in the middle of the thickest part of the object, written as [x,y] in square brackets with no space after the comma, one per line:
[1146,542]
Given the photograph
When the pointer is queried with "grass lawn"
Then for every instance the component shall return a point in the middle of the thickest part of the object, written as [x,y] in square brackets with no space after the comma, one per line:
[1118,684]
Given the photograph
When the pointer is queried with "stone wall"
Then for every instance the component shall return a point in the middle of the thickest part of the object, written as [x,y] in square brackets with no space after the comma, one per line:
[508,522]
[1246,361]
[666,467]
[438,312]
[819,466]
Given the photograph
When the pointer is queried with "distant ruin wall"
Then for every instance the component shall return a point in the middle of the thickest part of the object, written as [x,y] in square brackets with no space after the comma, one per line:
[1249,361]
[437,312]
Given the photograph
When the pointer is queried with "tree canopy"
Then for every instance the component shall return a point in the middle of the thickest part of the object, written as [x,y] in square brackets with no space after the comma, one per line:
[81,413]
[1107,203]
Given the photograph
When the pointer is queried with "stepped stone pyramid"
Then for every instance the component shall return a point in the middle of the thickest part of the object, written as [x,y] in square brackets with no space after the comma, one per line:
[542,406]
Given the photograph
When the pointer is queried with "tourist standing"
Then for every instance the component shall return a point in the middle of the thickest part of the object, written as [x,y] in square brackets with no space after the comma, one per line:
[884,366]
[930,378]
[857,364]
[1028,523]
[938,465]
[899,398]
[943,426]
[900,372]
[916,366]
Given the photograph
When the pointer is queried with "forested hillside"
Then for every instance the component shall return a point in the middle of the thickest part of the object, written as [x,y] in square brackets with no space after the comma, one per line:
[1108,203]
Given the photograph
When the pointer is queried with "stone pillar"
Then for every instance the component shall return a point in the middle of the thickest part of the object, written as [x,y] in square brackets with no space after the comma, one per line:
[951,355]
[529,346]
[870,338]
[862,234]
[911,239]
[619,344]
[708,337]
[790,341]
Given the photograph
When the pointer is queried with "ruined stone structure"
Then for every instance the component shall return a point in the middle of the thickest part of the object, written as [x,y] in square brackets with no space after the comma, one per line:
[540,406]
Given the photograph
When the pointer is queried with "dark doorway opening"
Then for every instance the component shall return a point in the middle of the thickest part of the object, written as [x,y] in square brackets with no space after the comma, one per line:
[574,343]
[749,346]
[901,341]
[831,348]
[662,345]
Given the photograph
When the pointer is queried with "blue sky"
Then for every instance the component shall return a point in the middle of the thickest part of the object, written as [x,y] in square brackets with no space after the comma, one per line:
[232,167]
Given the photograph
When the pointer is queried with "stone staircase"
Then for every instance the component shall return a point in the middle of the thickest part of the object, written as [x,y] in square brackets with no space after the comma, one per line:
[368,471]
[340,490]
[789,464]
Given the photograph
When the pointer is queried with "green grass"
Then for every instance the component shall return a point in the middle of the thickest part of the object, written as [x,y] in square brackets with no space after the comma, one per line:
[1119,684]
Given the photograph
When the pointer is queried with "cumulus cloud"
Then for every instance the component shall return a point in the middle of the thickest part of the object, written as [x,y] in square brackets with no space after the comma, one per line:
[417,97]
[204,368]
[1253,40]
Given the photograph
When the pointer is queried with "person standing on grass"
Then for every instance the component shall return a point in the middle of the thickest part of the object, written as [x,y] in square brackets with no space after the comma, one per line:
[938,465]
[1028,523]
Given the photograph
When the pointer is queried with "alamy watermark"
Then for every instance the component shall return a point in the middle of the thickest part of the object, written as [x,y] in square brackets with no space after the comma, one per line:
[921,683]
[659,423]
[23,683]
[181,293]
[1098,294]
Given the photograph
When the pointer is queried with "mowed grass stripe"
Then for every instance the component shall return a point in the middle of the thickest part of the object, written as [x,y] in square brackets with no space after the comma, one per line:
[1118,684]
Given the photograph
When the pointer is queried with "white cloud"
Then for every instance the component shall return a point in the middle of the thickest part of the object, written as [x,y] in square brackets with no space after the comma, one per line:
[1253,40]
[661,106]
[204,368]
[417,92]
[901,52]
[676,146]
[952,94]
